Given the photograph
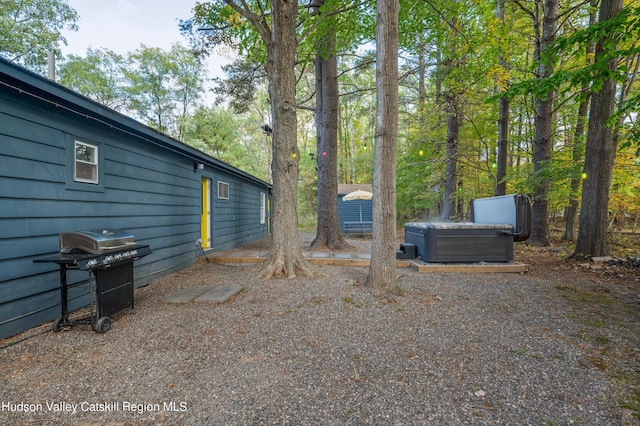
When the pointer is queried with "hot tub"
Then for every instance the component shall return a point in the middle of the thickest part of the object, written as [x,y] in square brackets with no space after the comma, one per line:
[444,242]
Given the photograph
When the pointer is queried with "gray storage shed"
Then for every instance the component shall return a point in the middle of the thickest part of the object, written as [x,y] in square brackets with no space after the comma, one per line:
[354,210]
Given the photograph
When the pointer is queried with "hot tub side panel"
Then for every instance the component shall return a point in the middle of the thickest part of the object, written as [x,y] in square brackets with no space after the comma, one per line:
[452,245]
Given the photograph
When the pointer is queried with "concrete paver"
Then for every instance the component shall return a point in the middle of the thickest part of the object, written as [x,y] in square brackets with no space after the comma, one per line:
[187,295]
[219,294]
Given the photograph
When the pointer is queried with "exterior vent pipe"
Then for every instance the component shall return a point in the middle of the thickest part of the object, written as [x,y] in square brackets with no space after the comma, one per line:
[52,66]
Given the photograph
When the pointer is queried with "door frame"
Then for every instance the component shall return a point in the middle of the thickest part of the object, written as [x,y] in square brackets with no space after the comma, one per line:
[205,212]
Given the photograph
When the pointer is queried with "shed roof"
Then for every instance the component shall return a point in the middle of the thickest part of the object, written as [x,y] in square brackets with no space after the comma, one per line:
[28,83]
[345,188]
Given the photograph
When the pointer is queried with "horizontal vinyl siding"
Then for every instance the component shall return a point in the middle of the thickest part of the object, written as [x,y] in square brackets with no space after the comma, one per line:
[146,190]
[236,221]
[349,211]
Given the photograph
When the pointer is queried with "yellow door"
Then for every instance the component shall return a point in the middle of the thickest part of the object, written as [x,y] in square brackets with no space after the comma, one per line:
[205,219]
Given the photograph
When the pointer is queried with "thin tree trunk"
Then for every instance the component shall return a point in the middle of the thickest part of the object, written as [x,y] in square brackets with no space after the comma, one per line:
[503,147]
[571,211]
[544,126]
[422,71]
[600,153]
[503,123]
[449,205]
[382,272]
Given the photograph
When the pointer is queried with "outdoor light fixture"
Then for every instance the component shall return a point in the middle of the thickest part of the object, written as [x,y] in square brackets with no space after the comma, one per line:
[198,166]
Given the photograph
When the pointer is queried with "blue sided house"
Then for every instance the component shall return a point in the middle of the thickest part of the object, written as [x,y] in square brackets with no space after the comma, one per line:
[69,164]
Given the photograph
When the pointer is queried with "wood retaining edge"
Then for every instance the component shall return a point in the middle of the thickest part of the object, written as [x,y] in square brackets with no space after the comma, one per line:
[513,267]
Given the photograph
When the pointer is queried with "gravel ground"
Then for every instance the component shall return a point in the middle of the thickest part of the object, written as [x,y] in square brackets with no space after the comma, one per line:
[555,346]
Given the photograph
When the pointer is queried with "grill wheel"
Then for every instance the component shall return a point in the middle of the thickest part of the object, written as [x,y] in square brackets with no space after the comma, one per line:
[103,325]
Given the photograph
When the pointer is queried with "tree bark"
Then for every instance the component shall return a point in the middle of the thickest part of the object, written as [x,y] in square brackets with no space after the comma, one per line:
[285,258]
[422,71]
[382,272]
[600,153]
[544,127]
[503,122]
[571,211]
[503,147]
[328,229]
[449,206]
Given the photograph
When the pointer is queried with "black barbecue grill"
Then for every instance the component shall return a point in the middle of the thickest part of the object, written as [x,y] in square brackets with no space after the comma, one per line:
[108,256]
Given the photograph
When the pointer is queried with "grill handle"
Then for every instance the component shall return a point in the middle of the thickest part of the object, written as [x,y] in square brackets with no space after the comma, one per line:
[120,247]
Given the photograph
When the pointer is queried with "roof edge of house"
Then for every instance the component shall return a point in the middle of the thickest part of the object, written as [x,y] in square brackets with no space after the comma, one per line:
[26,81]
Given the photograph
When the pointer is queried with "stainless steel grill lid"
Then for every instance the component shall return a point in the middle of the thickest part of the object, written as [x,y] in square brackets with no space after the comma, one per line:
[97,241]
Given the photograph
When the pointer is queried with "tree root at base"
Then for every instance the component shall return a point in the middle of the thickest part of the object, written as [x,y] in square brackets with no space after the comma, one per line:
[279,266]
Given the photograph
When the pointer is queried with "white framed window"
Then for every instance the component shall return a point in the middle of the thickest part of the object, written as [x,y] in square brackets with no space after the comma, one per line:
[263,208]
[85,163]
[223,190]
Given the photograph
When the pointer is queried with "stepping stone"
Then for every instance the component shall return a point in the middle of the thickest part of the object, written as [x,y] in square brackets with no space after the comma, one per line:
[188,294]
[219,294]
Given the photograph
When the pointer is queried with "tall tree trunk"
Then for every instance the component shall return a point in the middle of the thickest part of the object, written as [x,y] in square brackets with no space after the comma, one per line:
[503,122]
[328,229]
[571,211]
[452,101]
[449,205]
[382,272]
[503,147]
[544,130]
[600,152]
[422,72]
[285,258]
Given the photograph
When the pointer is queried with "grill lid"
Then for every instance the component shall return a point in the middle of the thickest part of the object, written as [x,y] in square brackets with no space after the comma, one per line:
[97,241]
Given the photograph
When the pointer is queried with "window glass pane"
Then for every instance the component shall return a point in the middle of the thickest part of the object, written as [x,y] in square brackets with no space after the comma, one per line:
[85,153]
[86,172]
[86,163]
[223,190]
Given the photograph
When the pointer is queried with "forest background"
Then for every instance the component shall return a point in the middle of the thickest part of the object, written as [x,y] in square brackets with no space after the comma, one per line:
[461,64]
